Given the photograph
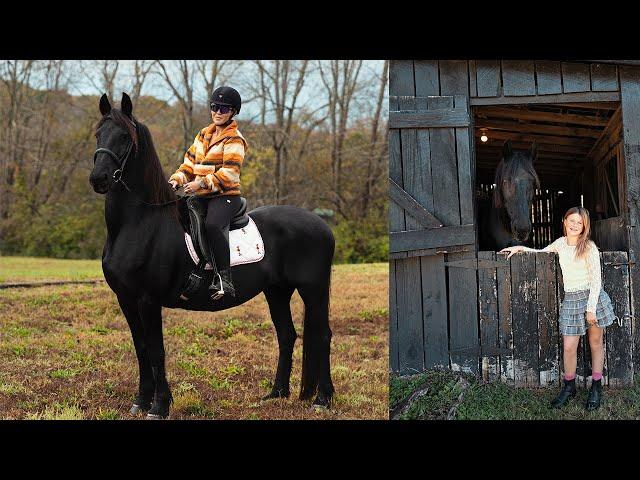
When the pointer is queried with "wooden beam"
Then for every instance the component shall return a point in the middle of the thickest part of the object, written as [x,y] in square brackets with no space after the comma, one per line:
[565,98]
[542,147]
[442,118]
[411,206]
[530,137]
[431,238]
[615,122]
[539,116]
[516,126]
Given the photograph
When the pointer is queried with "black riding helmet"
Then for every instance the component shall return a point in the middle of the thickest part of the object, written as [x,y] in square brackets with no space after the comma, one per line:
[227,96]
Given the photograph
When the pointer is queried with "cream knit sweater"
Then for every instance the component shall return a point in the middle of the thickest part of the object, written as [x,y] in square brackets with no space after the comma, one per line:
[582,274]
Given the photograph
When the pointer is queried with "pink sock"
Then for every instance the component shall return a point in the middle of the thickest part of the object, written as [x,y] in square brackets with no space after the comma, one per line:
[569,377]
[596,376]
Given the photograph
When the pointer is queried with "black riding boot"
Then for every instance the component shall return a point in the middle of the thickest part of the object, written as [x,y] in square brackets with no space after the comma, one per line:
[595,395]
[568,391]
[218,288]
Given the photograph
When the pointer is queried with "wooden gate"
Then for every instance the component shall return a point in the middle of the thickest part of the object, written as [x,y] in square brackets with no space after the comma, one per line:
[519,302]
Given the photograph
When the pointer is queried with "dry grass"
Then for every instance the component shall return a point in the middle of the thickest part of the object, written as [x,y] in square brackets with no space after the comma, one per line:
[66,352]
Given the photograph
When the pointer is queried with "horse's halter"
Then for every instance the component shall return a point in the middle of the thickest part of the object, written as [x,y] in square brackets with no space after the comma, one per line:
[120,162]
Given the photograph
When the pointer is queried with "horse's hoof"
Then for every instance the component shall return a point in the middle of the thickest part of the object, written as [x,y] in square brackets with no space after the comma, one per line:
[321,403]
[276,394]
[137,409]
[155,416]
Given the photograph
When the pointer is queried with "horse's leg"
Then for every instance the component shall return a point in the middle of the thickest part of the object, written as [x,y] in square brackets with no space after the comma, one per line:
[316,368]
[151,314]
[146,387]
[279,299]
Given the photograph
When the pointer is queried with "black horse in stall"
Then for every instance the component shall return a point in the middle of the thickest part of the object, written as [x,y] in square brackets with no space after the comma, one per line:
[505,220]
[145,262]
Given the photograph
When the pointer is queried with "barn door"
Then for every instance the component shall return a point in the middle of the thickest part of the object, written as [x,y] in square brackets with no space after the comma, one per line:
[433,277]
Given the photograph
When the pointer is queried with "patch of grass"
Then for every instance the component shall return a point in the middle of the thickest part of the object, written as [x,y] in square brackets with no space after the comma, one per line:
[266,384]
[100,329]
[64,373]
[107,414]
[58,411]
[192,368]
[500,401]
[232,371]
[371,315]
[19,269]
[190,403]
[194,350]
[231,325]
[220,384]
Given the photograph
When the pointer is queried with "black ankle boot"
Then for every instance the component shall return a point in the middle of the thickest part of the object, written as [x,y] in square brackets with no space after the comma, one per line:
[568,391]
[222,285]
[595,395]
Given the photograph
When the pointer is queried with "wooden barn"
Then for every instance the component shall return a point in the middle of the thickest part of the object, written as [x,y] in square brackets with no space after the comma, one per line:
[453,305]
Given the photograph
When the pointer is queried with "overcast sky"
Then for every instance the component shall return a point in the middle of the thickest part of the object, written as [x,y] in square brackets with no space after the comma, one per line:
[85,80]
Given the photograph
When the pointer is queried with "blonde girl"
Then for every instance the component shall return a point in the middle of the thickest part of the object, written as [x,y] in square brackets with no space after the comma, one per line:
[586,306]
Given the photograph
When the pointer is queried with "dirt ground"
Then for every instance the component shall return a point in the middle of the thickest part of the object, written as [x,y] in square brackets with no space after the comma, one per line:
[66,353]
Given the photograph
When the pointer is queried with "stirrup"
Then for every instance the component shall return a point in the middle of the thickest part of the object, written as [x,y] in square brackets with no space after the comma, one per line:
[216,295]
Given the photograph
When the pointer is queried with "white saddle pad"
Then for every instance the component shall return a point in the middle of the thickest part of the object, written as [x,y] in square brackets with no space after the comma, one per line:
[245,243]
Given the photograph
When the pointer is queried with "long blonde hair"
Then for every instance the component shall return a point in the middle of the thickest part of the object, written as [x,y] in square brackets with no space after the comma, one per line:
[584,240]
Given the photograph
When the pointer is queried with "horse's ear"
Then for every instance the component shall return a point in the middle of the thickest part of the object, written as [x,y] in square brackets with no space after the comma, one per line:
[105,106]
[506,150]
[126,106]
[534,152]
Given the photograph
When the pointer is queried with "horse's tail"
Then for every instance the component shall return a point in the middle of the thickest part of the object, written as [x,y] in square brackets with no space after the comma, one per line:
[316,340]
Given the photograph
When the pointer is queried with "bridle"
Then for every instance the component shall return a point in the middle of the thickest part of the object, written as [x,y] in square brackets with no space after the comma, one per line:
[121,162]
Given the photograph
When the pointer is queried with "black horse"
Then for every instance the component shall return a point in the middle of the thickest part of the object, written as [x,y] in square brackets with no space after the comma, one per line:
[145,262]
[506,221]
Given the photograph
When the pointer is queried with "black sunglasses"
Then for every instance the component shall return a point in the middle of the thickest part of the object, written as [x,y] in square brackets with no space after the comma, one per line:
[223,109]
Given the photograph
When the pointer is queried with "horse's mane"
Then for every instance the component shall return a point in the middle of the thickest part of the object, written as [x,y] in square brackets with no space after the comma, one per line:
[507,170]
[156,187]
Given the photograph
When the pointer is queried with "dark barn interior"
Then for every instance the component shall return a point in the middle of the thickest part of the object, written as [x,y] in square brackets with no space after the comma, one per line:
[579,163]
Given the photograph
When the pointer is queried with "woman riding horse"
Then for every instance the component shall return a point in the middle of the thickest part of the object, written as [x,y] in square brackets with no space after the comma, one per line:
[211,171]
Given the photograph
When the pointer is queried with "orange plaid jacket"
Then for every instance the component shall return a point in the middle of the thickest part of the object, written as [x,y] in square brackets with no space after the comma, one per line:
[217,160]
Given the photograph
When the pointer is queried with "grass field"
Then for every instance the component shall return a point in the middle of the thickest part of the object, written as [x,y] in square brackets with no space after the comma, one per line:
[66,351]
[463,397]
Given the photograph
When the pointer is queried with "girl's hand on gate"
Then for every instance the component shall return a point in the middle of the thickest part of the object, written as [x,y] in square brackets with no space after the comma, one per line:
[591,319]
[511,250]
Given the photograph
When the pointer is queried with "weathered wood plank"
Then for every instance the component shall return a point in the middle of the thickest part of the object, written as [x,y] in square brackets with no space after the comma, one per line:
[394,364]
[410,334]
[548,77]
[619,339]
[463,154]
[454,77]
[410,205]
[560,299]
[426,78]
[431,238]
[518,78]
[575,77]
[564,98]
[396,213]
[522,113]
[409,147]
[424,160]
[547,318]
[604,77]
[401,80]
[446,201]
[488,78]
[528,127]
[473,88]
[434,308]
[525,324]
[489,322]
[431,118]
[630,94]
[463,315]
[505,334]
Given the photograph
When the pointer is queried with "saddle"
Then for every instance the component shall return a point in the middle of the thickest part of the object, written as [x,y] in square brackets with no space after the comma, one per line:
[192,217]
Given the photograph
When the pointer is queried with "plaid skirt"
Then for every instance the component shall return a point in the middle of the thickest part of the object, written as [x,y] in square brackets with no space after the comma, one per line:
[573,319]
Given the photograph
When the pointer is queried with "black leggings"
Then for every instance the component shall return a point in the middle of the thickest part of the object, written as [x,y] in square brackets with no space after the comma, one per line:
[220,211]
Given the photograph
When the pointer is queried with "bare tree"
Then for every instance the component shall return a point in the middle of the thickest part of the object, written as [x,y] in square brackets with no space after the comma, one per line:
[182,87]
[376,159]
[280,83]
[340,79]
[141,69]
